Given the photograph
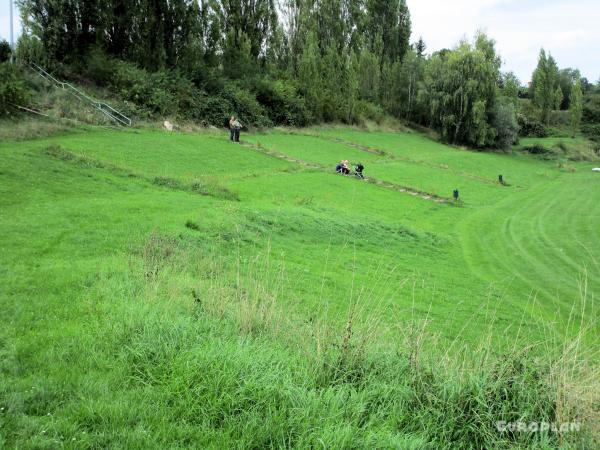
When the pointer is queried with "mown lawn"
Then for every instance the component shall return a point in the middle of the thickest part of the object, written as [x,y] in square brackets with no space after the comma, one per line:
[535,237]
[125,253]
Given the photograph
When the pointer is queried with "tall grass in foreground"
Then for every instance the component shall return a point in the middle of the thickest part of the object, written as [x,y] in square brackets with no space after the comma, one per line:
[454,397]
[185,350]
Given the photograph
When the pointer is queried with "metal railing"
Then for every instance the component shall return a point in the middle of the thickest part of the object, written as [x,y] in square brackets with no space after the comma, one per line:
[104,108]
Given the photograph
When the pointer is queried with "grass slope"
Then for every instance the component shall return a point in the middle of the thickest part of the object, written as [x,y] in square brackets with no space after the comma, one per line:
[175,290]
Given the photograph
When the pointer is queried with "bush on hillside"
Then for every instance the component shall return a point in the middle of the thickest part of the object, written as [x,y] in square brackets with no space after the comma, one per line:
[167,93]
[164,92]
[13,90]
[30,49]
[245,106]
[591,108]
[211,109]
[367,111]
[560,119]
[537,149]
[505,122]
[99,68]
[592,131]
[282,103]
[131,83]
[529,120]
[531,127]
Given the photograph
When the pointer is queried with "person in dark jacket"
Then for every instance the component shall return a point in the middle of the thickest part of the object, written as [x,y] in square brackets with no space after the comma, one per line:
[237,126]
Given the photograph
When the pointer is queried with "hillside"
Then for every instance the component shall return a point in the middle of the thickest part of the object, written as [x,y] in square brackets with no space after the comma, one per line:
[175,290]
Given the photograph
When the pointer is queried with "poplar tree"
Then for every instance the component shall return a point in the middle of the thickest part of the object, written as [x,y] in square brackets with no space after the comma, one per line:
[510,88]
[576,106]
[545,86]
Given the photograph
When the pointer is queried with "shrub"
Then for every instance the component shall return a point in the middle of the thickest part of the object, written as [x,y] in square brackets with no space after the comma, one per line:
[592,131]
[245,106]
[30,49]
[99,68]
[13,90]
[591,108]
[505,122]
[161,96]
[562,147]
[531,127]
[537,149]
[163,92]
[5,51]
[369,111]
[183,92]
[168,93]
[132,83]
[211,110]
[170,183]
[282,103]
[560,118]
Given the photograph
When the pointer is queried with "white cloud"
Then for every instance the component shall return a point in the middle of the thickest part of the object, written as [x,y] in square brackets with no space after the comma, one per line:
[569,30]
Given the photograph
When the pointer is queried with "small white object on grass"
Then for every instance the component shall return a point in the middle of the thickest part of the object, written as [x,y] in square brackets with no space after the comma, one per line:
[168,125]
[596,169]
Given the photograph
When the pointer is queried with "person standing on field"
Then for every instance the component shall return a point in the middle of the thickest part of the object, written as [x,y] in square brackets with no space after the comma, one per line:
[237,126]
[231,129]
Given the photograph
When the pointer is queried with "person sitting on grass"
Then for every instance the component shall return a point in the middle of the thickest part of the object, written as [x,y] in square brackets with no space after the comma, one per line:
[358,170]
[342,167]
[345,168]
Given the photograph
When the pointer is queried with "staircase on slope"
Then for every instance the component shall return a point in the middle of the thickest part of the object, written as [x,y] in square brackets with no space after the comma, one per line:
[104,108]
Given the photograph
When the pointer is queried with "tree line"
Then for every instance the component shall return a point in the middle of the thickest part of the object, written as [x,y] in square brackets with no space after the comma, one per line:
[290,62]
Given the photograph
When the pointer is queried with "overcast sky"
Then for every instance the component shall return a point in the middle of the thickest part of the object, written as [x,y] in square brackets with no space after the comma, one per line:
[569,29]
[5,21]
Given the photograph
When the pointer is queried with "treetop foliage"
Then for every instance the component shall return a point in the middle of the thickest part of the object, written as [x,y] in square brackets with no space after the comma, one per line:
[290,62]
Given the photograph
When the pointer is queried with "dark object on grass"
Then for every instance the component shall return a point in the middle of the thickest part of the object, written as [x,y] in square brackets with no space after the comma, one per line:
[455,194]
[192,225]
[500,179]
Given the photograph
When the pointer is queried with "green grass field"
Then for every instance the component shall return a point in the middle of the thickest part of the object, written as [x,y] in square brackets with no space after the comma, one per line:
[177,290]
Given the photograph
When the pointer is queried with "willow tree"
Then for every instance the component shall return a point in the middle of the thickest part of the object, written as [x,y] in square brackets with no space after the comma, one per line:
[460,88]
